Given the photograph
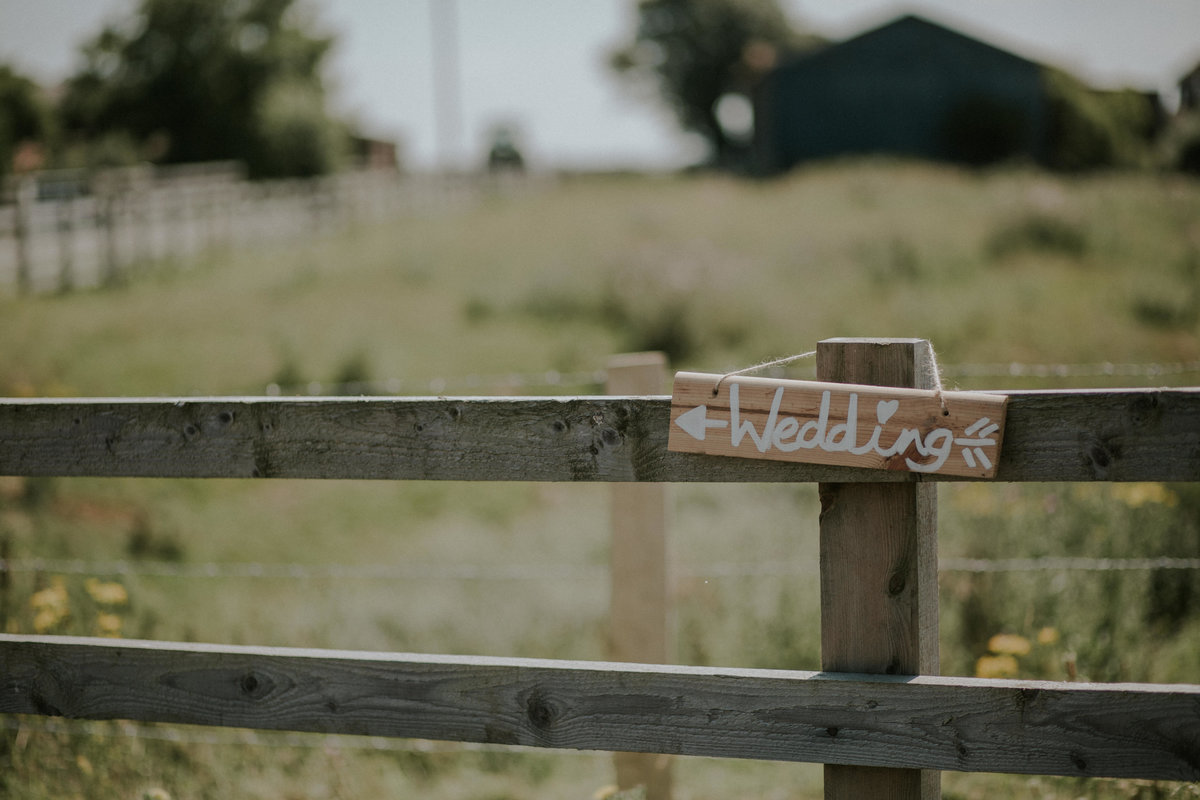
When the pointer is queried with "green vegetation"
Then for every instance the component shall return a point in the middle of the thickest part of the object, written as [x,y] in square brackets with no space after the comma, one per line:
[24,118]
[694,52]
[186,81]
[992,267]
[1091,129]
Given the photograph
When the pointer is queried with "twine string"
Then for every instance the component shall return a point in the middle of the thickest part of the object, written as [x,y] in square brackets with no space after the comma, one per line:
[934,374]
[764,365]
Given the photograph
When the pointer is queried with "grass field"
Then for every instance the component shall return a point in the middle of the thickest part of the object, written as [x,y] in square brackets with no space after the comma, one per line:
[996,267]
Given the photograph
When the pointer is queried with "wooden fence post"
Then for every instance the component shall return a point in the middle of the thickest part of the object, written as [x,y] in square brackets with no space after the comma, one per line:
[878,557]
[5,579]
[107,208]
[64,209]
[26,200]
[640,584]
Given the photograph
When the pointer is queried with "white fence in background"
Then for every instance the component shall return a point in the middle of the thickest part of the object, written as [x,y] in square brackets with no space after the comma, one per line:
[61,230]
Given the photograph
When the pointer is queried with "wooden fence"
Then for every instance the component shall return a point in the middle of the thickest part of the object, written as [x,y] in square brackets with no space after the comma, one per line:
[878,714]
[66,229]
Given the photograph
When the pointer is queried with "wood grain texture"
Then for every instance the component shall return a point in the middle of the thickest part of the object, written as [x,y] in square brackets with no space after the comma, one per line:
[1087,435]
[798,420]
[1092,730]
[640,589]
[639,598]
[878,555]
[879,575]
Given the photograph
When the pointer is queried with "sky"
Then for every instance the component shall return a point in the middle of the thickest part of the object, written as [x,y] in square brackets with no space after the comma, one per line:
[540,66]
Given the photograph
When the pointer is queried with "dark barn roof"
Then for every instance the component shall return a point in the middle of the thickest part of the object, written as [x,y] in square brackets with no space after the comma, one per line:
[911,87]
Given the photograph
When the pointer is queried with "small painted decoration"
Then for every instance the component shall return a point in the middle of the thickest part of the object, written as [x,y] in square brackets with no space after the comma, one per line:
[946,433]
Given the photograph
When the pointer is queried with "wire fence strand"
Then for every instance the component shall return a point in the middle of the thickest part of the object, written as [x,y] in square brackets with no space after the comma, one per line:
[517,381]
[544,572]
[234,737]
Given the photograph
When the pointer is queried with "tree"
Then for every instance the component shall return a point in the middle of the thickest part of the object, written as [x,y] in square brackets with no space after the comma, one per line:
[24,116]
[200,80]
[697,52]
[1093,130]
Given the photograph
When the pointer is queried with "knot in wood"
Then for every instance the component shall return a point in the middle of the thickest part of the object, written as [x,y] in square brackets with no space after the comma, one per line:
[43,704]
[541,711]
[610,436]
[1101,453]
[1146,409]
[255,685]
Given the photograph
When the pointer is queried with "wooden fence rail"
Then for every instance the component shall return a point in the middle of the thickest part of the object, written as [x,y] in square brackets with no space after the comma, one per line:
[966,724]
[1084,435]
[887,728]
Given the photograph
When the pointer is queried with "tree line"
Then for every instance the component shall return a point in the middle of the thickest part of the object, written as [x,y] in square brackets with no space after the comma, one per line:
[184,81]
[199,80]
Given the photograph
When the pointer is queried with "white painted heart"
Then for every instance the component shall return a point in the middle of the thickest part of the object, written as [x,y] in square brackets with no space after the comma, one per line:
[886,409]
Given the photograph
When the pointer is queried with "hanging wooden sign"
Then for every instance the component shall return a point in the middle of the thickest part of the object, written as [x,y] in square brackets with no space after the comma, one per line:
[948,433]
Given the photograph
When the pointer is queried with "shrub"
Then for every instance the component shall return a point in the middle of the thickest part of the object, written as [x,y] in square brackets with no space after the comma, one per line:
[1090,130]
[145,541]
[644,309]
[353,375]
[1037,232]
[296,138]
[289,375]
[1102,623]
[1182,144]
[1181,309]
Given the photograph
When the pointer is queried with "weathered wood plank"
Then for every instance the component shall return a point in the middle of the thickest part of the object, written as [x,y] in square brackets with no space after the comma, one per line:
[967,724]
[1050,436]
[820,422]
[879,575]
[639,609]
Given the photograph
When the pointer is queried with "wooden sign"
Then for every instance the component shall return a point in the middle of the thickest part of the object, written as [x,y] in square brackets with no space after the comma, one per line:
[949,433]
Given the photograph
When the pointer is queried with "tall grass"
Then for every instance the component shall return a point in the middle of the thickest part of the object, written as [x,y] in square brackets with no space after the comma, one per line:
[993,267]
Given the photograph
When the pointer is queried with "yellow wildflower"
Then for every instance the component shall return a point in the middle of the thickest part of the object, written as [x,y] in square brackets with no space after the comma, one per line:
[1136,495]
[978,499]
[50,606]
[106,593]
[1004,666]
[22,388]
[1009,644]
[1047,635]
[108,625]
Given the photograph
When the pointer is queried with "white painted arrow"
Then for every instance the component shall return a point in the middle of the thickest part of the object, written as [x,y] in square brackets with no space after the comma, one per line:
[696,422]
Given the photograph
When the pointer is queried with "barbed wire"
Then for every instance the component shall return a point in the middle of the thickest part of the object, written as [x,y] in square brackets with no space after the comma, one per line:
[542,572]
